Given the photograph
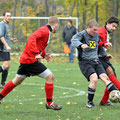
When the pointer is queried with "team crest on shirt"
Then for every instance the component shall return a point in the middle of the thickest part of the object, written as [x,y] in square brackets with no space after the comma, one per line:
[92,44]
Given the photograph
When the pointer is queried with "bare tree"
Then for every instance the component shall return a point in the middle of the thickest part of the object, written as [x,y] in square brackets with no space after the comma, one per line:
[46,7]
[72,8]
[115,9]
[97,12]
[84,16]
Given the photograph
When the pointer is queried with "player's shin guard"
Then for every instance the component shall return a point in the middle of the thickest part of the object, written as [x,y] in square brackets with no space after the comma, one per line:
[91,93]
[115,81]
[110,87]
[49,92]
[7,88]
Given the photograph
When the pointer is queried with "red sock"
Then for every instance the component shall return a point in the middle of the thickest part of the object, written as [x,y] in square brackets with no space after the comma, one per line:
[49,92]
[7,88]
[105,96]
[114,80]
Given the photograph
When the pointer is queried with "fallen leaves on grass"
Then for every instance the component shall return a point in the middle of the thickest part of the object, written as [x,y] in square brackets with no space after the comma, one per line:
[68,103]
[40,103]
[6,106]
[65,93]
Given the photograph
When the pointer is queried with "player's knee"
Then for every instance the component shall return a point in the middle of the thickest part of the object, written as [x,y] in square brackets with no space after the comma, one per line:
[109,71]
[6,66]
[94,79]
[50,78]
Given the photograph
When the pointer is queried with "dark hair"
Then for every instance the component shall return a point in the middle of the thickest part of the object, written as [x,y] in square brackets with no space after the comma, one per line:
[5,12]
[112,19]
[70,21]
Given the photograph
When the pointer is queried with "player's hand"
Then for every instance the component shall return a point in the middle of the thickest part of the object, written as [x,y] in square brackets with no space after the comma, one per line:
[47,57]
[109,56]
[14,39]
[38,57]
[108,44]
[8,48]
[84,46]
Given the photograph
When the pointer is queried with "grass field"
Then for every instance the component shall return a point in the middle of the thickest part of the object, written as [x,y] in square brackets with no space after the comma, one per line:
[27,101]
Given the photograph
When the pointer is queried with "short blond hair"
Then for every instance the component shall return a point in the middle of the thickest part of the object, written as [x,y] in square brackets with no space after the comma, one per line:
[92,23]
[53,20]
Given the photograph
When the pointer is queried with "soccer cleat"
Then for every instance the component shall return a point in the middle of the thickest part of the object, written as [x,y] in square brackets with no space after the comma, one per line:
[106,104]
[90,105]
[54,106]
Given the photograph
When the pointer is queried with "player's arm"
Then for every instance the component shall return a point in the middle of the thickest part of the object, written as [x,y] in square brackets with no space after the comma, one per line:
[102,52]
[63,36]
[2,37]
[76,41]
[105,44]
[5,43]
[32,41]
[47,57]
[109,56]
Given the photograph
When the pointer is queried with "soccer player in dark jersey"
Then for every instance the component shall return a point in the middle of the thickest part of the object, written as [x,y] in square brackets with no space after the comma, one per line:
[104,32]
[87,43]
[30,64]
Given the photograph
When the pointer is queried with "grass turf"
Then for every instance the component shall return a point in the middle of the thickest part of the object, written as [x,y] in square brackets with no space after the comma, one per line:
[27,101]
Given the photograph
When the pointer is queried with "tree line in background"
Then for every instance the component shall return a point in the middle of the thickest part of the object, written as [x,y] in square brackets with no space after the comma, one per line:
[85,10]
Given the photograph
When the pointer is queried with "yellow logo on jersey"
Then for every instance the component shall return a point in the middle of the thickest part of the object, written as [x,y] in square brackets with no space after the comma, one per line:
[92,44]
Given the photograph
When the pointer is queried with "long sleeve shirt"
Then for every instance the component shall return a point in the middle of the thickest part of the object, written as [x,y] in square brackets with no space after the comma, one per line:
[90,53]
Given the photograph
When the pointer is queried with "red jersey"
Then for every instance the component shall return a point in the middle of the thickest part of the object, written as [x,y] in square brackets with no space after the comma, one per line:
[103,36]
[36,44]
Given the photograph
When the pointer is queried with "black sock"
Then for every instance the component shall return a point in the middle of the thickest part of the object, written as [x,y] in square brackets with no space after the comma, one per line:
[4,77]
[91,93]
[111,87]
[49,100]
[1,69]
[1,96]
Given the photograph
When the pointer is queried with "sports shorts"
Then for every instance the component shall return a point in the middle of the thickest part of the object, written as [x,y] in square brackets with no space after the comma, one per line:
[89,67]
[4,56]
[106,63]
[36,68]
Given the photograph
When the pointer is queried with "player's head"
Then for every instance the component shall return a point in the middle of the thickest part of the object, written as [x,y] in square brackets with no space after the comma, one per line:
[69,23]
[53,21]
[7,16]
[92,27]
[112,23]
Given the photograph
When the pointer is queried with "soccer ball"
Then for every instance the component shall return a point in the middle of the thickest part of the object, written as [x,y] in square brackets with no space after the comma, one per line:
[114,96]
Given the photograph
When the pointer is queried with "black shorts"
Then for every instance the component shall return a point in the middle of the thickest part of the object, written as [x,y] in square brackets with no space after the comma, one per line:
[36,68]
[89,67]
[4,56]
[106,63]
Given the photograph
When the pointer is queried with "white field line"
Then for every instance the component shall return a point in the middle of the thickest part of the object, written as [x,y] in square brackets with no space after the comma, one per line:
[79,93]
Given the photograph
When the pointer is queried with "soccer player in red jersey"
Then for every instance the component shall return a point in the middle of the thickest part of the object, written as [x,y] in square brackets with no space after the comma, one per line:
[104,32]
[30,64]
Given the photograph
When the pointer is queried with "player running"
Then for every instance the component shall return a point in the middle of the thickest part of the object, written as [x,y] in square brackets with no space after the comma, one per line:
[30,64]
[104,32]
[87,43]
